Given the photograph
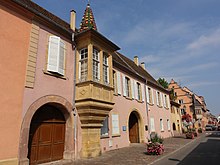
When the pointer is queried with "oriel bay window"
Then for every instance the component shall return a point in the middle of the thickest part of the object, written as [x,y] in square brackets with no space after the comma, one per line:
[96,65]
[83,64]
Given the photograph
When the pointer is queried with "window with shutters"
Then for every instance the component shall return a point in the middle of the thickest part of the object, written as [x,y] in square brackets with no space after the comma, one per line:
[104,128]
[96,65]
[138,91]
[150,93]
[83,64]
[115,125]
[158,99]
[165,101]
[161,125]
[56,56]
[127,87]
[181,101]
[105,69]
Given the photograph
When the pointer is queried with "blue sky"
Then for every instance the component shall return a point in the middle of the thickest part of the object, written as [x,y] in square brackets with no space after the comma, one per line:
[177,39]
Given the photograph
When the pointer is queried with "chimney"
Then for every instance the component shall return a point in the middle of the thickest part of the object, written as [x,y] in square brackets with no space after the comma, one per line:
[136,60]
[73,20]
[143,65]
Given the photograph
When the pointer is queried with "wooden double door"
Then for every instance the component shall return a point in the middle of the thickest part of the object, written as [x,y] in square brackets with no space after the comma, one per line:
[47,135]
[133,128]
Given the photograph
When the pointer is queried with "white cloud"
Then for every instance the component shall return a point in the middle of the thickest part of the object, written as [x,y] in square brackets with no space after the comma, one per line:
[205,41]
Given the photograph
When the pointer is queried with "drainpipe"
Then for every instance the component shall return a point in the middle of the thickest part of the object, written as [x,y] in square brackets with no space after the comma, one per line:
[73,27]
[148,119]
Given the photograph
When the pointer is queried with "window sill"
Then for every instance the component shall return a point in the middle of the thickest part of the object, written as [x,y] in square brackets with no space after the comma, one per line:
[151,104]
[104,136]
[57,75]
[129,98]
[140,101]
[116,136]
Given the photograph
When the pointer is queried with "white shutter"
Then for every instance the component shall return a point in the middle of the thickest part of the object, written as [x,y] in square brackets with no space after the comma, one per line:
[61,68]
[165,101]
[157,98]
[136,90]
[132,88]
[168,124]
[152,127]
[115,124]
[124,87]
[161,125]
[168,102]
[53,54]
[161,99]
[147,94]
[143,93]
[152,92]
[119,83]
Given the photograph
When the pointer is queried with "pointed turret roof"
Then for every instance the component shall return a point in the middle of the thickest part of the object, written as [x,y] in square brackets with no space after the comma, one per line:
[88,20]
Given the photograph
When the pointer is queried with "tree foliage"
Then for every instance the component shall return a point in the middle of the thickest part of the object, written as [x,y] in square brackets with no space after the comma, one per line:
[163,82]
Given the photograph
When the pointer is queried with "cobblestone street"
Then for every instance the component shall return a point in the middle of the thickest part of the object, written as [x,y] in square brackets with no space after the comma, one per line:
[135,154]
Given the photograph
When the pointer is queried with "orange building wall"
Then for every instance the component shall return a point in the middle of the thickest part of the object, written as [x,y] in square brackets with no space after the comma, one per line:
[14,41]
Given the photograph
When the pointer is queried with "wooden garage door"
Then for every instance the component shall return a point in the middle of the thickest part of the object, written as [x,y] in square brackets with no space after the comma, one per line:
[47,135]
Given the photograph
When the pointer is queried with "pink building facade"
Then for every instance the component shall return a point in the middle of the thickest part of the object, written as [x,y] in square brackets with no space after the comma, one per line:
[128,120]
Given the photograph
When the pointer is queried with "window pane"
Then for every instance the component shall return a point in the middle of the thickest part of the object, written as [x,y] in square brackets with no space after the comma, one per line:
[104,128]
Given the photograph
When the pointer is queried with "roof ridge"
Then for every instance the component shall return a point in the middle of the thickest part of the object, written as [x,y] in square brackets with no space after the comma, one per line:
[118,54]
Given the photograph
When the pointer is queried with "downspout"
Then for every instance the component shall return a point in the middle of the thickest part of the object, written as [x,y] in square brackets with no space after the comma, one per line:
[73,27]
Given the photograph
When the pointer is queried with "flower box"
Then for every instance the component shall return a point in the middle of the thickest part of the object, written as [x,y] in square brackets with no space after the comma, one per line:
[155,149]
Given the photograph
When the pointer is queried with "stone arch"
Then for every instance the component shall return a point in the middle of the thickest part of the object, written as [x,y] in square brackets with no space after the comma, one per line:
[140,123]
[65,107]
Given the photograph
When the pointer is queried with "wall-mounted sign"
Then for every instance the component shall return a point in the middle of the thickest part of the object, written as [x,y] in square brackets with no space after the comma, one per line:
[124,128]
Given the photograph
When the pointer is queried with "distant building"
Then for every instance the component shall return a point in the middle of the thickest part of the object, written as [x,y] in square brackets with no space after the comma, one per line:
[191,103]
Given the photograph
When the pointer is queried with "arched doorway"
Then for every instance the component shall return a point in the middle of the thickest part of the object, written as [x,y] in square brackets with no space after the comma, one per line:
[46,135]
[174,126]
[133,128]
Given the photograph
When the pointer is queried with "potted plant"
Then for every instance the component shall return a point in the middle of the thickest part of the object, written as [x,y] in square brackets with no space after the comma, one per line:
[155,145]
[191,133]
[200,130]
[194,132]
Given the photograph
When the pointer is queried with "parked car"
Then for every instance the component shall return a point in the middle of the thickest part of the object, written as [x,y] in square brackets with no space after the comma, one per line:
[208,127]
[214,127]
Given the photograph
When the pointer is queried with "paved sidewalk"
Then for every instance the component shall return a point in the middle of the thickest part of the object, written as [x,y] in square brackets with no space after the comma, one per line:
[134,154]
